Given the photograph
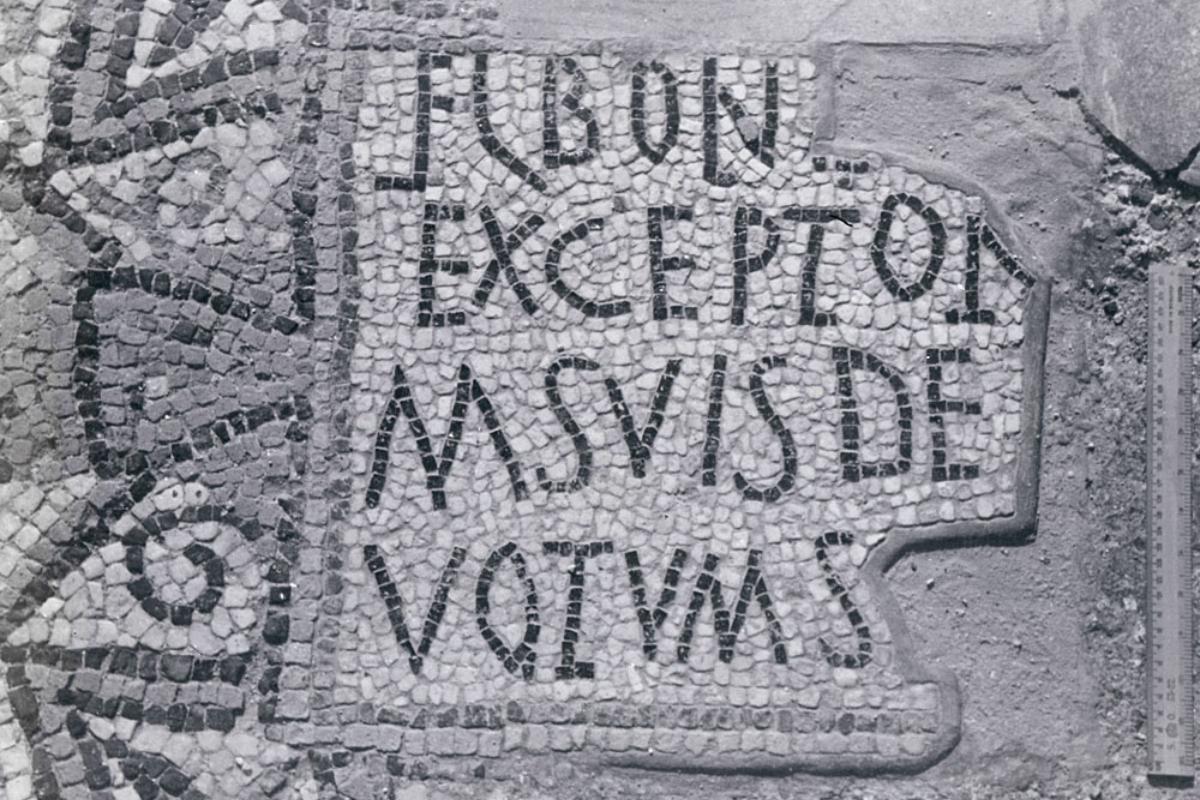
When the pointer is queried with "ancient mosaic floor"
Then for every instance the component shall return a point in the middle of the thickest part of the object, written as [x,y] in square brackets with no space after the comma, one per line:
[422,404]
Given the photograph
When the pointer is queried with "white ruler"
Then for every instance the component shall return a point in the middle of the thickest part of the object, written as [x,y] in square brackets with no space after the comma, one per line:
[1169,524]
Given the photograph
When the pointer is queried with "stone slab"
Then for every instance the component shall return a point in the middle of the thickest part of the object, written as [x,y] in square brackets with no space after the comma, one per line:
[1140,63]
[767,21]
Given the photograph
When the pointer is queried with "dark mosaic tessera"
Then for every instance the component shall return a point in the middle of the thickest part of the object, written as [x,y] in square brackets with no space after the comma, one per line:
[402,399]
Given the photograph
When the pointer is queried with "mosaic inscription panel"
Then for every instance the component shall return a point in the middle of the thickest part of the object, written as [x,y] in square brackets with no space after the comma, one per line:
[422,408]
[641,382]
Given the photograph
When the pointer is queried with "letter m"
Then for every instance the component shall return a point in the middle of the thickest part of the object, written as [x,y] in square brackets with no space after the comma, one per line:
[729,626]
[437,467]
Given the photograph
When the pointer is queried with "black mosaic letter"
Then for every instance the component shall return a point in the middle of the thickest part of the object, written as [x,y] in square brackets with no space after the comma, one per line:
[848,359]
[972,313]
[883,228]
[487,135]
[437,468]
[763,404]
[640,444]
[523,656]
[503,247]
[395,604]
[589,308]
[861,630]
[583,448]
[430,265]
[637,111]
[817,218]
[568,667]
[659,266]
[142,588]
[708,587]
[573,102]
[652,621]
[977,234]
[426,99]
[743,264]
[754,588]
[938,406]
[761,144]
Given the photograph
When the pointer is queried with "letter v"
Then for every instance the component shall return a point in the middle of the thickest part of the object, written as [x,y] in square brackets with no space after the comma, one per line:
[395,604]
[639,444]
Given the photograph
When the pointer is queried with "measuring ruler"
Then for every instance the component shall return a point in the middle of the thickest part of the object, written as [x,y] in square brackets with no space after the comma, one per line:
[1169,523]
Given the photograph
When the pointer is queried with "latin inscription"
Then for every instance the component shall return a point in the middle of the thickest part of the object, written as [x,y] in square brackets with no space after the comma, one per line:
[436,401]
[641,379]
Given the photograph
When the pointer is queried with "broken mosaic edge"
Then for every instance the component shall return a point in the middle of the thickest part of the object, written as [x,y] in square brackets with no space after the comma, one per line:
[1015,529]
[1020,528]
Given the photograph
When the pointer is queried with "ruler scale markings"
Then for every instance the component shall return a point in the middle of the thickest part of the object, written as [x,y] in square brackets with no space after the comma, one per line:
[1169,556]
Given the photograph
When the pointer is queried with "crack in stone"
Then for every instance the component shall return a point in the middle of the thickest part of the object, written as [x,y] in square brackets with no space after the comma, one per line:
[1167,178]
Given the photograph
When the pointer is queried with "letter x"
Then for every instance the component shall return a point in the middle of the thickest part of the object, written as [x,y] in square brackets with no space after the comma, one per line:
[503,247]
